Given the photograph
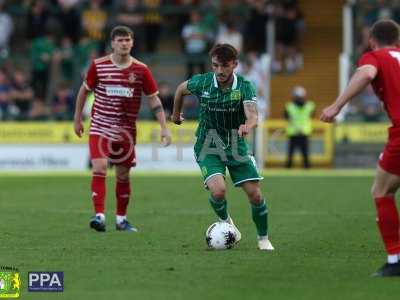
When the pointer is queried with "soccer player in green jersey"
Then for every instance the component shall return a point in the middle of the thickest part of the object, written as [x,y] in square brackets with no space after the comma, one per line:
[228,113]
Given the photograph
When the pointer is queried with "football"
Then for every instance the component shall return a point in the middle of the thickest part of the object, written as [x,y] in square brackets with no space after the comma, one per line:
[220,236]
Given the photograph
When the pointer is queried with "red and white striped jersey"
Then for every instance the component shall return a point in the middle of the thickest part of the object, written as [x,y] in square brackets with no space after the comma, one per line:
[118,93]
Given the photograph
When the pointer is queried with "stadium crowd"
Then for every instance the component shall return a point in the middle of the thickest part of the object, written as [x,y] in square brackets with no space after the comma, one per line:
[47,45]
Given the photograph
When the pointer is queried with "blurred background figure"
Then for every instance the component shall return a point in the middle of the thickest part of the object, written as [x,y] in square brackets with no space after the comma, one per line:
[22,94]
[152,24]
[63,103]
[196,39]
[167,98]
[42,50]
[37,19]
[230,35]
[6,29]
[94,22]
[5,97]
[130,14]
[250,70]
[299,112]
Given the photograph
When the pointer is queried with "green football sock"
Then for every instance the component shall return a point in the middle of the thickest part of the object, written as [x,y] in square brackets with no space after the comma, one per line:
[260,217]
[220,207]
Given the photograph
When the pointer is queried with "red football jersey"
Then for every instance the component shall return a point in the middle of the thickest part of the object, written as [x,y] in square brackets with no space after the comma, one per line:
[118,93]
[387,81]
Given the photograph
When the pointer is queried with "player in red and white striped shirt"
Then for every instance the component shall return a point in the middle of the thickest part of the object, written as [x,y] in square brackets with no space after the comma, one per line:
[118,82]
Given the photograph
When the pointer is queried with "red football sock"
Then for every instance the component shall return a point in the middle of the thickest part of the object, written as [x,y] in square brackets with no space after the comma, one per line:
[98,191]
[123,191]
[388,223]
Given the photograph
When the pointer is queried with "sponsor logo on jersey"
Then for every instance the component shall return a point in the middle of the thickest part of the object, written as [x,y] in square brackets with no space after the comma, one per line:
[206,95]
[235,95]
[132,78]
[119,91]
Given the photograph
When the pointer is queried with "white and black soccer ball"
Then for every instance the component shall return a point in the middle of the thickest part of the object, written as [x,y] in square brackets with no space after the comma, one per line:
[220,236]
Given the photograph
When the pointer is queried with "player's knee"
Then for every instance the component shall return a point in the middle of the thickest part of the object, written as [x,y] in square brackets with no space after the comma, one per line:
[219,193]
[255,196]
[378,191]
[123,177]
[99,167]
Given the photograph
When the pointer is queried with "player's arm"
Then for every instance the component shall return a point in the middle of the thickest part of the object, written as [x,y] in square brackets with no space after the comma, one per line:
[250,110]
[79,105]
[181,91]
[358,82]
[157,109]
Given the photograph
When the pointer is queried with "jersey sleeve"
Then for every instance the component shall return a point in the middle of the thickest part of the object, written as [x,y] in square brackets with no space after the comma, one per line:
[194,84]
[149,84]
[249,93]
[91,77]
[368,59]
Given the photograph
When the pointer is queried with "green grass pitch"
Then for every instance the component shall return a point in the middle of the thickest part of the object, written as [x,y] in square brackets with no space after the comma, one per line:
[322,226]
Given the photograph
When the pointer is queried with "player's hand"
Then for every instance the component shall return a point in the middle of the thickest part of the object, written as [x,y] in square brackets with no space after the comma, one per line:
[165,137]
[243,130]
[329,113]
[78,127]
[177,119]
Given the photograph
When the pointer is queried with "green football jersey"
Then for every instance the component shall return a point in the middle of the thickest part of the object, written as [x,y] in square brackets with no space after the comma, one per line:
[220,110]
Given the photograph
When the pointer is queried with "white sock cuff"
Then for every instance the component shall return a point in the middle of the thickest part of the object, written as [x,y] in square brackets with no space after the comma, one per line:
[393,259]
[120,219]
[101,216]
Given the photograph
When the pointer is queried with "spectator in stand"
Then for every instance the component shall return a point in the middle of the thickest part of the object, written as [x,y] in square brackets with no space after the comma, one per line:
[94,22]
[39,111]
[130,14]
[38,17]
[22,94]
[5,97]
[286,38]
[370,106]
[196,40]
[230,35]
[63,103]
[255,27]
[70,19]
[85,52]
[152,24]
[64,58]
[6,28]
[363,41]
[167,98]
[209,12]
[42,51]
[250,71]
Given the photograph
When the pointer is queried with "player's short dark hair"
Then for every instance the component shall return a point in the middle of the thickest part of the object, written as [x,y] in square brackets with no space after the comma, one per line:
[121,31]
[224,52]
[385,32]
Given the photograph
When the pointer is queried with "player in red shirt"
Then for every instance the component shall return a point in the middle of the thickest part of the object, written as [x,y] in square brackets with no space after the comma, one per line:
[381,68]
[118,81]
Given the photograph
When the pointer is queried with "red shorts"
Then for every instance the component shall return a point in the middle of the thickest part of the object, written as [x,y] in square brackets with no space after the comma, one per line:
[389,159]
[118,153]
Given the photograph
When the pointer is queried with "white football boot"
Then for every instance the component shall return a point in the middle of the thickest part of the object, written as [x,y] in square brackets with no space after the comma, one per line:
[238,235]
[264,244]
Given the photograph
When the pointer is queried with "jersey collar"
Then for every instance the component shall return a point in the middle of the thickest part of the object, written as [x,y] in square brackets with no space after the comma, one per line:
[234,83]
[119,66]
